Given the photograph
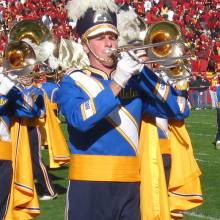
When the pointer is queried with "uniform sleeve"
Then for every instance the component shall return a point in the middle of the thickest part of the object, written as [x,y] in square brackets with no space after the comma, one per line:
[160,99]
[27,106]
[54,95]
[80,109]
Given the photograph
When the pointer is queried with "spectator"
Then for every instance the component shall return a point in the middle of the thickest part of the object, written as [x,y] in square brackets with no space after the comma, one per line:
[193,92]
[212,91]
[204,89]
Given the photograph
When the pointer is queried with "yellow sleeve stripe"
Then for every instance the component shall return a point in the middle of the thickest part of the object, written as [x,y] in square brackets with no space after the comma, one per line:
[157,87]
[166,94]
[83,111]
[130,116]
[91,100]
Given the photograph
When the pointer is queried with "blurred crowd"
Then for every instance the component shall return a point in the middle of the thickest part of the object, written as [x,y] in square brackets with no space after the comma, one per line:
[198,20]
[52,13]
[203,91]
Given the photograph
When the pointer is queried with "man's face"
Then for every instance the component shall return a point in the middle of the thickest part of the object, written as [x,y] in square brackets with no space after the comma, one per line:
[99,45]
[26,80]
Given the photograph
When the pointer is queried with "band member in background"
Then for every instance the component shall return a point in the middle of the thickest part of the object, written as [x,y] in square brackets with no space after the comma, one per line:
[15,161]
[58,148]
[47,189]
[50,86]
[103,107]
[5,161]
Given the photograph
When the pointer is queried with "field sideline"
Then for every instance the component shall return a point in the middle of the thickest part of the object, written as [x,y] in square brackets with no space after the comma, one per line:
[202,128]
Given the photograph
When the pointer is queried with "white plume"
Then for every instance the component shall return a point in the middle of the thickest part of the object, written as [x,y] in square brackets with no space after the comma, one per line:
[77,8]
[42,51]
[128,26]
[71,54]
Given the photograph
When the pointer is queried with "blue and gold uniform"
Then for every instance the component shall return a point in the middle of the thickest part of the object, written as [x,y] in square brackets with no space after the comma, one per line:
[40,171]
[182,179]
[86,112]
[15,107]
[104,129]
[50,87]
[5,162]
[52,132]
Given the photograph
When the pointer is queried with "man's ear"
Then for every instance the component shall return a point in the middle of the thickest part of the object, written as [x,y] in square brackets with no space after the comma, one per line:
[85,47]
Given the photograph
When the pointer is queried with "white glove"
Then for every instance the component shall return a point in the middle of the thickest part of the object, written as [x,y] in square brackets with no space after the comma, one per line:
[6,83]
[126,67]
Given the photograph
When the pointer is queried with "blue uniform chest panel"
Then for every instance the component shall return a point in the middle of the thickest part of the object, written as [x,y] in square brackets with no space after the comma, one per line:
[102,139]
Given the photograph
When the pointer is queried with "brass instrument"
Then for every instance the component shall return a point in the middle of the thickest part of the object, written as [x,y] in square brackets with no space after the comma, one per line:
[172,58]
[30,43]
[36,34]
[19,58]
[164,45]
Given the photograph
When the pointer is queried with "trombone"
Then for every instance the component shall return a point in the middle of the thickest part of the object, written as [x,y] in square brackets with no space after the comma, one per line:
[30,43]
[164,45]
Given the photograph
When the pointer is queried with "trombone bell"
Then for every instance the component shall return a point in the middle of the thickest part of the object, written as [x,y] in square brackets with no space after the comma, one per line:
[36,34]
[160,32]
[34,30]
[19,58]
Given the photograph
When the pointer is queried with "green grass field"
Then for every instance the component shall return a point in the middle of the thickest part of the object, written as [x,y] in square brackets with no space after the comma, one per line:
[202,128]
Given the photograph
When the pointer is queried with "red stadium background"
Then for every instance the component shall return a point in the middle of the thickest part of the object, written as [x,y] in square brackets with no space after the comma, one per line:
[198,20]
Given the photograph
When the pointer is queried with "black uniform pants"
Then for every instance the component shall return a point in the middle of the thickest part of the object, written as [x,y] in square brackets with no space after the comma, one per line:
[39,168]
[5,185]
[90,200]
[167,167]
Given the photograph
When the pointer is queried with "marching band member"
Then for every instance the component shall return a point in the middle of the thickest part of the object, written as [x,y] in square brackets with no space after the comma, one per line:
[159,152]
[18,198]
[39,168]
[182,179]
[50,86]
[103,107]
[58,148]
[5,162]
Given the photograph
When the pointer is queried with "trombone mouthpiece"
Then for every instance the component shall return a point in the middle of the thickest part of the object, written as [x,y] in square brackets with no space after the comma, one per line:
[111,51]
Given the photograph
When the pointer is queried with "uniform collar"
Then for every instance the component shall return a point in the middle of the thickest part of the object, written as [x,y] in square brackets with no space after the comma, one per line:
[92,71]
[27,87]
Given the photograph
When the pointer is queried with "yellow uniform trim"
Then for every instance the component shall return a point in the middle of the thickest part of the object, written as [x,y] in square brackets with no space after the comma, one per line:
[122,133]
[87,72]
[99,26]
[157,88]
[99,72]
[184,106]
[164,98]
[54,106]
[91,99]
[166,94]
[218,104]
[164,146]
[83,111]
[104,168]
[5,150]
[130,116]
